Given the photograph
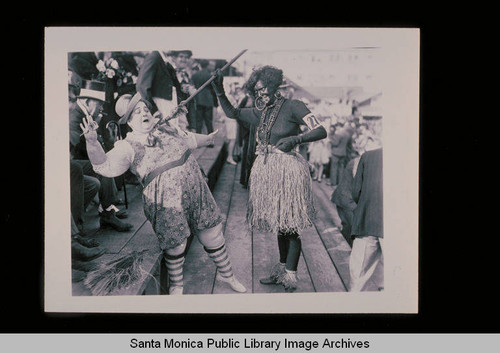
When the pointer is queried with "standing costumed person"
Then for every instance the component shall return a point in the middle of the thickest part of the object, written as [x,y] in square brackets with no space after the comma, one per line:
[280,186]
[177,200]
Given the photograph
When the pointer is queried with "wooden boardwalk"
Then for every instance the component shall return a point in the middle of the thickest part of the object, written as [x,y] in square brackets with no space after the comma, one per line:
[323,266]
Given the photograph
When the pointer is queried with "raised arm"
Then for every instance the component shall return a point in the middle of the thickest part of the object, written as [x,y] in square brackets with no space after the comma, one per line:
[111,164]
[246,115]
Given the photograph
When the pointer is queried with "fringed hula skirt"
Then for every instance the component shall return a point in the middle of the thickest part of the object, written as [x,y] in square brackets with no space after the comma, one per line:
[280,193]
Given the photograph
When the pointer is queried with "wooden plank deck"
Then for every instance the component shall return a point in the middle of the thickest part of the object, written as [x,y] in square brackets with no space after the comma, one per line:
[323,265]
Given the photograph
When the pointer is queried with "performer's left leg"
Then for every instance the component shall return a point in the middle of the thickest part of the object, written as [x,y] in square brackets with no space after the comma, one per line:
[215,245]
[292,261]
[285,272]
[278,270]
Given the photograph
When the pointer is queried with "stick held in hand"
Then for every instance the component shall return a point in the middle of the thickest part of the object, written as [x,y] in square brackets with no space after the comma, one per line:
[185,102]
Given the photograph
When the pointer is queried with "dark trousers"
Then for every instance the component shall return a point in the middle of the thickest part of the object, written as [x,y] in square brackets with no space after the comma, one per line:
[107,190]
[346,216]
[83,189]
[191,116]
[337,164]
[205,115]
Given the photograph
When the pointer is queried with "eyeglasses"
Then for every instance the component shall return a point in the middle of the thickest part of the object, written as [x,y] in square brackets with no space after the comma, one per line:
[260,91]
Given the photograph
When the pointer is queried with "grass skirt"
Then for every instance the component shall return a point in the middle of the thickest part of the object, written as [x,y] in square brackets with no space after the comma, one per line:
[280,194]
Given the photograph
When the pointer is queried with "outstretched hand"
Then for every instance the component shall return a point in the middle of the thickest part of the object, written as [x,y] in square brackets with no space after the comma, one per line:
[89,127]
[211,137]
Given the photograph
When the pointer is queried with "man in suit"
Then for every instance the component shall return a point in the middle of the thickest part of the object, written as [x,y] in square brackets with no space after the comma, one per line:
[339,144]
[206,100]
[158,83]
[367,227]
[89,102]
[342,198]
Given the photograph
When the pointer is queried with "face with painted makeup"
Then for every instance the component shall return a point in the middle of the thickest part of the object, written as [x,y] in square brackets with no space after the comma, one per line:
[141,120]
[261,91]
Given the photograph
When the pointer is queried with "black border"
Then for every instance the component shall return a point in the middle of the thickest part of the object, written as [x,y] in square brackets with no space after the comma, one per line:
[453,295]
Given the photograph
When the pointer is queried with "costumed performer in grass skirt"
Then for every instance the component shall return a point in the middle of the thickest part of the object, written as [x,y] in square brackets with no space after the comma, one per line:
[280,186]
[177,199]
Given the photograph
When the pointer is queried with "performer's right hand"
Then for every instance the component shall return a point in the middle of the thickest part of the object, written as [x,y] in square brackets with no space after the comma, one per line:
[89,127]
[218,82]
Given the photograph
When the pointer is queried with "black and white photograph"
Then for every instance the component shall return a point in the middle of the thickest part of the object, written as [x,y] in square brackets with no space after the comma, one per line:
[231,170]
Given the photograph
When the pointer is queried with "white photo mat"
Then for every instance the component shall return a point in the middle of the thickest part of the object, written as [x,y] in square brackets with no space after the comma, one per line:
[399,70]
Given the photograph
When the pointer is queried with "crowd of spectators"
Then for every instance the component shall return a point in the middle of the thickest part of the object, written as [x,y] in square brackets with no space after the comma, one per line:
[349,136]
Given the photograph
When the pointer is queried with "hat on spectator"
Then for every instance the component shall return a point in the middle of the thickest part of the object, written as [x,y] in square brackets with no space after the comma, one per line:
[126,104]
[177,52]
[93,89]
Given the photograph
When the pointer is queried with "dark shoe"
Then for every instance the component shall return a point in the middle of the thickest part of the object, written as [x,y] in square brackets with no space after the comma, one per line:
[276,275]
[80,252]
[87,243]
[119,202]
[109,219]
[120,214]
[268,280]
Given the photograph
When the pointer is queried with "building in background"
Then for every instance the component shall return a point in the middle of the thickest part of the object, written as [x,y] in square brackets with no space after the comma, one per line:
[343,77]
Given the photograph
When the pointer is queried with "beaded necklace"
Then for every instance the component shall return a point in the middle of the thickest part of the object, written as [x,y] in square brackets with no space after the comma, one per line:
[266,122]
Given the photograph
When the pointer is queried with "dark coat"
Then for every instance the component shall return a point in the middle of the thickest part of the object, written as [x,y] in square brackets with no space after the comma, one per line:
[342,196]
[367,192]
[84,64]
[156,79]
[75,119]
[340,141]
[207,96]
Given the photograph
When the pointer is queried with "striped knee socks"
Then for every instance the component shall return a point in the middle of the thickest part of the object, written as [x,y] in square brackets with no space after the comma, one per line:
[175,266]
[221,260]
